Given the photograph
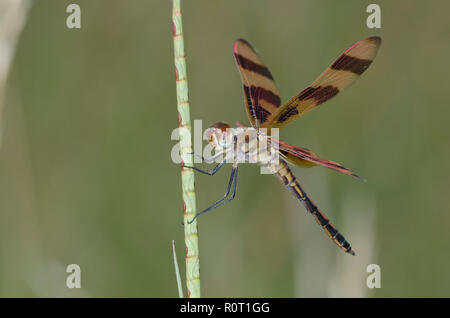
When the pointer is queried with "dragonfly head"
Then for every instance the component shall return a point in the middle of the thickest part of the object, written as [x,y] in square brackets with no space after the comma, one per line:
[218,134]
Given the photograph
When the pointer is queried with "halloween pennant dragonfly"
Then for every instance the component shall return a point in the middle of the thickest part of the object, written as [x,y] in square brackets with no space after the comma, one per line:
[264,110]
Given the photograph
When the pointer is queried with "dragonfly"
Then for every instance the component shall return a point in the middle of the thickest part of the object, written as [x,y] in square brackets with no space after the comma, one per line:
[264,110]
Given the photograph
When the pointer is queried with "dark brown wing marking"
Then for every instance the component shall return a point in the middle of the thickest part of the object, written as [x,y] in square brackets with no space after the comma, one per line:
[262,97]
[339,75]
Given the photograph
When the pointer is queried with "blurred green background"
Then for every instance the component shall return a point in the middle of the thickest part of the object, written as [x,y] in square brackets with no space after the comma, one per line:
[86,175]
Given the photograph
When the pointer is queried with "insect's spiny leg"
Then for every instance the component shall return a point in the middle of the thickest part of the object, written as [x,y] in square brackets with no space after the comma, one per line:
[212,172]
[209,159]
[227,192]
[222,201]
[233,193]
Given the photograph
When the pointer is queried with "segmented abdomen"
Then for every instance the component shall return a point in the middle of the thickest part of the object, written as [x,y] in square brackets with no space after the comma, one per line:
[287,178]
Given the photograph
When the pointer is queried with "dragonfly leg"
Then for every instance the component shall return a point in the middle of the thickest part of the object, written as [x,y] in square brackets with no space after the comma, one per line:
[223,200]
[233,180]
[212,172]
[207,160]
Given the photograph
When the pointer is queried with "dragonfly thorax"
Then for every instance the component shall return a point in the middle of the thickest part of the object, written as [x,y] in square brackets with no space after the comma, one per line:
[242,144]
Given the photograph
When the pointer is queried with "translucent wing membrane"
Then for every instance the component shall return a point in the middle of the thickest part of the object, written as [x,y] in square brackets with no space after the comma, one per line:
[339,75]
[301,157]
[261,96]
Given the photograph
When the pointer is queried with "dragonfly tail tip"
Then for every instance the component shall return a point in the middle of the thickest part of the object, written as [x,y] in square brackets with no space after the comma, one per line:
[358,177]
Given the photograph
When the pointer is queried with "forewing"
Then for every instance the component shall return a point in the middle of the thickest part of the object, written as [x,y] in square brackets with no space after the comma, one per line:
[262,98]
[339,75]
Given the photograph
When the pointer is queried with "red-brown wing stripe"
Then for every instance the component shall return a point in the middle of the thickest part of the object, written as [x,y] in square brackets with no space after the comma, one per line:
[292,111]
[375,39]
[320,93]
[252,66]
[350,63]
[248,96]
[260,93]
[254,95]
[261,113]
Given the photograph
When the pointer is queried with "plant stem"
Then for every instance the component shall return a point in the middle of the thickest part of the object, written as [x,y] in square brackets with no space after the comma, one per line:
[187,175]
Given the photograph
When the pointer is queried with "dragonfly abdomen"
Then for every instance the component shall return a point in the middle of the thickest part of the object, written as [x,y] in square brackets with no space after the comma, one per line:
[287,177]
